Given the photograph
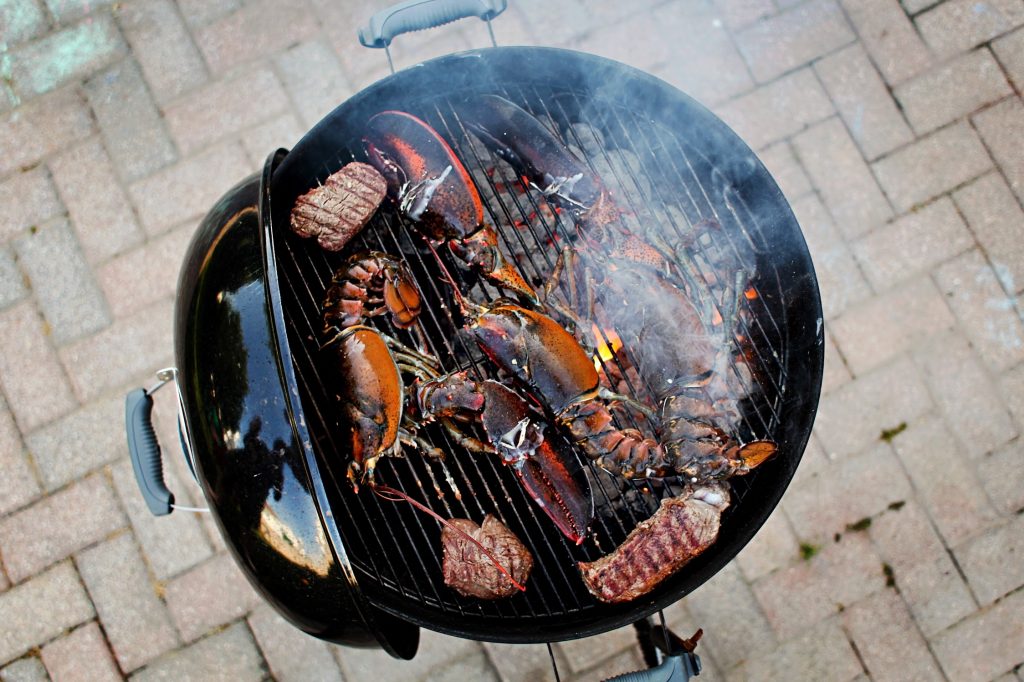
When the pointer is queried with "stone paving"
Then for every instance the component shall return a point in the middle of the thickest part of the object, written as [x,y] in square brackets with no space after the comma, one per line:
[895,130]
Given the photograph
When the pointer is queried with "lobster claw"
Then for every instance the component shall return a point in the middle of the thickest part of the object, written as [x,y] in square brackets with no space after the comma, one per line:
[547,468]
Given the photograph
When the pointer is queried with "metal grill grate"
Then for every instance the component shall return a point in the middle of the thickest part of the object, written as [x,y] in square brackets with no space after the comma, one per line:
[396,550]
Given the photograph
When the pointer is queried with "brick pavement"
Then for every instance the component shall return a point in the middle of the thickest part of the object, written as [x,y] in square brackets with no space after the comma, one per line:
[893,127]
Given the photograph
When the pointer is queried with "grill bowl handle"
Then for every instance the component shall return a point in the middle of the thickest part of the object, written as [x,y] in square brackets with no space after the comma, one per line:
[417,15]
[145,452]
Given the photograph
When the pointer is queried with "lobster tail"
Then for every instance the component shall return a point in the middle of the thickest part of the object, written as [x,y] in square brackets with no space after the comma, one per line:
[619,451]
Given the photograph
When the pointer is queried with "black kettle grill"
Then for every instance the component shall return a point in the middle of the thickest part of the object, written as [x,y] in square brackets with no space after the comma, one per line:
[256,392]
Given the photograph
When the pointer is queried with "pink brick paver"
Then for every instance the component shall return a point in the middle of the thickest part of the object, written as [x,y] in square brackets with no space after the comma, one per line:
[893,127]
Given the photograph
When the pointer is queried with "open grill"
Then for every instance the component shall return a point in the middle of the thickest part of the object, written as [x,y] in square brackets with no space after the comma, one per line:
[665,170]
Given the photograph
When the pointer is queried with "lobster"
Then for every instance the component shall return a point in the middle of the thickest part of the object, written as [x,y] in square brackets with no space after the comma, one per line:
[639,290]
[434,191]
[384,412]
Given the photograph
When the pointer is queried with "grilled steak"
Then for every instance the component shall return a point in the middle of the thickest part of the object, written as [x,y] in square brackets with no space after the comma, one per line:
[338,209]
[471,572]
[681,529]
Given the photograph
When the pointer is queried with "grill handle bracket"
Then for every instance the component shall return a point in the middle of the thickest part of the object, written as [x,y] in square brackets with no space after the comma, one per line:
[419,15]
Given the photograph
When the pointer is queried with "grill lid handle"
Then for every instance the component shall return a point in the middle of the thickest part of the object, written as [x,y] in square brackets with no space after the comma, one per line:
[418,15]
[145,452]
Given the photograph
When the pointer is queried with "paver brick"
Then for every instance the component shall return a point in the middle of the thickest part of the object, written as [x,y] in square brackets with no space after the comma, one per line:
[945,482]
[202,12]
[314,79]
[840,281]
[290,653]
[12,281]
[932,165]
[992,562]
[134,619]
[143,276]
[78,443]
[143,342]
[794,37]
[224,107]
[836,372]
[171,543]
[854,487]
[887,641]
[702,59]
[726,607]
[967,397]
[81,655]
[1003,479]
[863,101]
[773,547]
[211,594]
[26,669]
[18,485]
[822,653]
[41,127]
[476,666]
[986,313]
[794,599]
[28,199]
[935,593]
[162,45]
[66,56]
[889,37]
[27,625]
[63,285]
[133,130]
[905,537]
[777,110]
[22,20]
[853,417]
[618,40]
[985,644]
[958,25]
[1009,50]
[938,97]
[229,656]
[189,188]
[31,376]
[879,329]
[997,221]
[787,172]
[850,568]
[1001,127]
[64,11]
[257,28]
[521,661]
[912,244]
[56,526]
[100,212]
[265,138]
[739,13]
[845,181]
[581,657]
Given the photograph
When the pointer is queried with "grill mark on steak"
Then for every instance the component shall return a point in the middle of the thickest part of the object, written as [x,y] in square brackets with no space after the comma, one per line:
[337,210]
[680,530]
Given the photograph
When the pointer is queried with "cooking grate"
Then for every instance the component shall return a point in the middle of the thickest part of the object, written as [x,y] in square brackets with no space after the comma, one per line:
[673,184]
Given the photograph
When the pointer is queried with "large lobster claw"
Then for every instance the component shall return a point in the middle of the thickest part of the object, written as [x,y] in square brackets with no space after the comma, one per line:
[547,468]
[434,190]
[534,151]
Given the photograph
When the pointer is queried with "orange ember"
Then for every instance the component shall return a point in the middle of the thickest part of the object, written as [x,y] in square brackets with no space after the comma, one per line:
[750,293]
[608,343]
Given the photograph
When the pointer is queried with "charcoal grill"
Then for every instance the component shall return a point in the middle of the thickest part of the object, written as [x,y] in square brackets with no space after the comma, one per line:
[256,389]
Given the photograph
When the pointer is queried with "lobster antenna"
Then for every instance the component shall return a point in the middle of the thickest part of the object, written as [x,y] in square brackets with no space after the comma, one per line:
[463,305]
[382,491]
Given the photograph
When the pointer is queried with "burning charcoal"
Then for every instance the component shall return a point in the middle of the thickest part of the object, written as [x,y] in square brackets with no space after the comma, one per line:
[470,572]
[588,137]
[337,210]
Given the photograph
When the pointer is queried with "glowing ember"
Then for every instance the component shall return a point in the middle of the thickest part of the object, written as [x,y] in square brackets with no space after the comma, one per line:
[608,343]
[750,293]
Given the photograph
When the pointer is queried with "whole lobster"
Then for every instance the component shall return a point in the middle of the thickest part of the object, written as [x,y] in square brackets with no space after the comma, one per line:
[624,282]
[384,412]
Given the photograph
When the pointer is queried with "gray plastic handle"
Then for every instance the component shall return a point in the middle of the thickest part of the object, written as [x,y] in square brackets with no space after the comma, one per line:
[417,15]
[145,452]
